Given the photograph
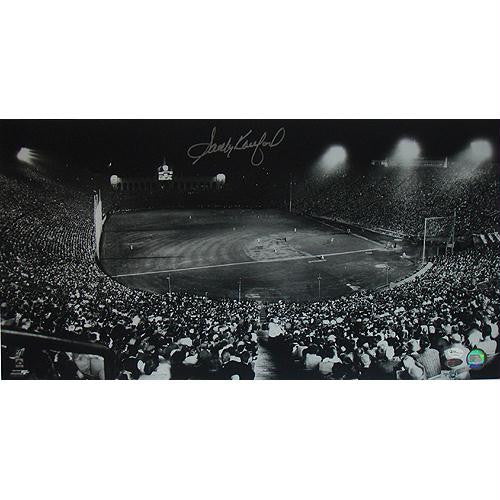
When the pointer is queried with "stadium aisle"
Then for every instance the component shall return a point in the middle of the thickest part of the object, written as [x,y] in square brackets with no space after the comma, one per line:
[265,367]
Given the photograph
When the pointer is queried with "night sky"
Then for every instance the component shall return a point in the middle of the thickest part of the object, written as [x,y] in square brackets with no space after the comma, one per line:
[136,147]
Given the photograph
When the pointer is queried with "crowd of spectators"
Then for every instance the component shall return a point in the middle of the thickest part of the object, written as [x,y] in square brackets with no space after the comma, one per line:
[399,200]
[50,283]
[419,330]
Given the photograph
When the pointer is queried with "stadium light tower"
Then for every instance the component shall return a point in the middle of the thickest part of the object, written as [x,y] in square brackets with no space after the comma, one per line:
[26,155]
[334,157]
[406,152]
[480,151]
[474,155]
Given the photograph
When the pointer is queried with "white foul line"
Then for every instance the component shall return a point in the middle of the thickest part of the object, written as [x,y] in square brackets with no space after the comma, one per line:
[266,261]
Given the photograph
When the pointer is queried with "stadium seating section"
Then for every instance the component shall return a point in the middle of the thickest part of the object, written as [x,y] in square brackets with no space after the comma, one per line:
[51,283]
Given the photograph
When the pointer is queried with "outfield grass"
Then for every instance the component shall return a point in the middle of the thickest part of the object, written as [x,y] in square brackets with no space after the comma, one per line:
[208,251]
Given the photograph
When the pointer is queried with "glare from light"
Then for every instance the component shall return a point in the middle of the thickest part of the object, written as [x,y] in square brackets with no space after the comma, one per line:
[406,152]
[221,178]
[334,157]
[480,150]
[114,179]
[469,159]
[26,155]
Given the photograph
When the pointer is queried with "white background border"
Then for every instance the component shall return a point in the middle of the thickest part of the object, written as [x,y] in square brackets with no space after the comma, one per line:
[265,59]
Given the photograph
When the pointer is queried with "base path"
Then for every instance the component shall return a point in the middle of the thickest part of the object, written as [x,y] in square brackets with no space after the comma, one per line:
[264,261]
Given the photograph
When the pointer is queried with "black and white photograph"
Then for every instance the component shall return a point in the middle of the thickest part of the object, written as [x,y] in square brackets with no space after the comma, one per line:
[250,249]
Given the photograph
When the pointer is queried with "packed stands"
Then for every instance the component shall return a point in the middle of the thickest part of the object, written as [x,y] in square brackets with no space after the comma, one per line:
[407,332]
[398,200]
[50,283]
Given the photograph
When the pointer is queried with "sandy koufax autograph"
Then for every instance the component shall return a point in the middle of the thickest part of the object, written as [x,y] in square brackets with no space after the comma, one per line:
[197,151]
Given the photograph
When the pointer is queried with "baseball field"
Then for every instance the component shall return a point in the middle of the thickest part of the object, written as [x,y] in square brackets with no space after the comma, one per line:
[254,254]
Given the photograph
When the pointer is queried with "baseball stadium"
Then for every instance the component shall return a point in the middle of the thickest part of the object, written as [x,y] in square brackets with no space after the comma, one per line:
[346,267]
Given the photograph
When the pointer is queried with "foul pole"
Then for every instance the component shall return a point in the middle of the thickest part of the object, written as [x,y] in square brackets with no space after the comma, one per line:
[425,236]
[453,232]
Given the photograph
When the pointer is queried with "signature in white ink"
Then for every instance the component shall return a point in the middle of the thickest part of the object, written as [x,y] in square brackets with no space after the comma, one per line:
[198,151]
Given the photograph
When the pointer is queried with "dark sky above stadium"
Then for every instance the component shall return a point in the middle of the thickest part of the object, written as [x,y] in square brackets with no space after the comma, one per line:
[138,146]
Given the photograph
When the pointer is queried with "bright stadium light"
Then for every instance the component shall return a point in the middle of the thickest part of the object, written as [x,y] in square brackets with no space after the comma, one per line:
[469,159]
[26,155]
[406,152]
[480,151]
[334,157]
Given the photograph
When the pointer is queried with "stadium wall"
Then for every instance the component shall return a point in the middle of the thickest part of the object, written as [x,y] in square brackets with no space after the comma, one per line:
[413,277]
[381,236]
